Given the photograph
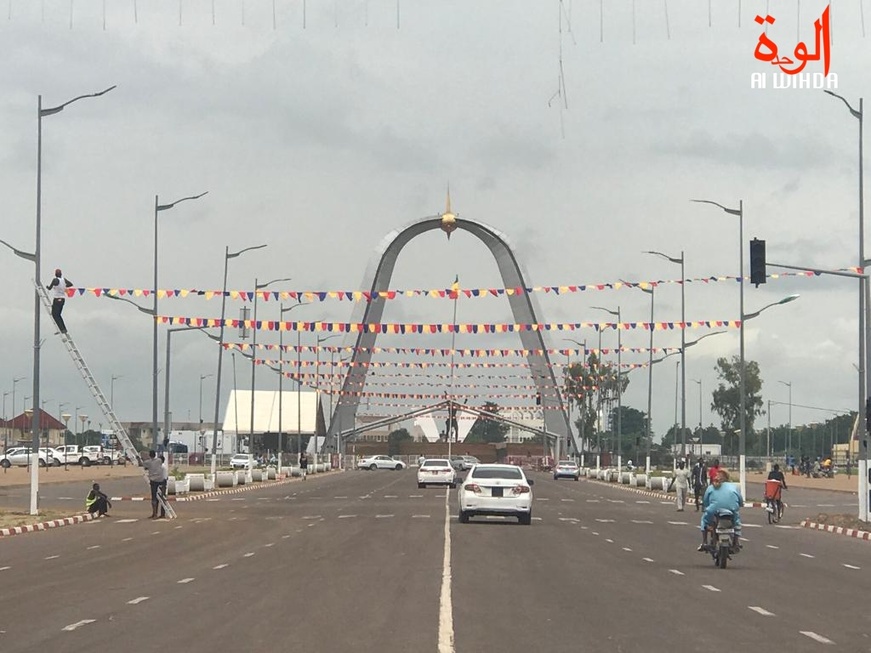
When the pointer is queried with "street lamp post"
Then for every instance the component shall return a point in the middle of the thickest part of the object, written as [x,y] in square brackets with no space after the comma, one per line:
[60,412]
[581,413]
[202,378]
[683,363]
[14,383]
[789,385]
[227,256]
[864,319]
[619,382]
[158,207]
[37,260]
[112,390]
[281,312]
[318,378]
[257,287]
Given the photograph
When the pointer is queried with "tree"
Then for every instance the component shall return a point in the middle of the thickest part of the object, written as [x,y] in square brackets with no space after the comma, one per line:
[633,429]
[395,438]
[727,396]
[589,386]
[488,429]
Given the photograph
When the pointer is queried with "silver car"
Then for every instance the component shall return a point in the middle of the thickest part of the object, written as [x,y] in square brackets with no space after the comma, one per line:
[566,469]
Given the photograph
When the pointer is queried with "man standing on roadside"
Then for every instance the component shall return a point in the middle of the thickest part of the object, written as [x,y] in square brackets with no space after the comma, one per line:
[700,481]
[303,465]
[681,482]
[154,469]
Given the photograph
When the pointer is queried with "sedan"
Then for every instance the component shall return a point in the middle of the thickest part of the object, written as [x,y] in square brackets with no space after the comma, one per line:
[380,462]
[469,462]
[567,469]
[242,461]
[436,471]
[496,490]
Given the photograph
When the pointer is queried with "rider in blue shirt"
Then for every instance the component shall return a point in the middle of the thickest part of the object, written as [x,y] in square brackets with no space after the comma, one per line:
[720,495]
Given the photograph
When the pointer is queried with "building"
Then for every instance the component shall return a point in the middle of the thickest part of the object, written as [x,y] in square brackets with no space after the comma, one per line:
[16,431]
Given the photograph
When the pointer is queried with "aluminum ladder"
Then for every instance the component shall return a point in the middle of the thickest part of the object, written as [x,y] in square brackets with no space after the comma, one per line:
[120,432]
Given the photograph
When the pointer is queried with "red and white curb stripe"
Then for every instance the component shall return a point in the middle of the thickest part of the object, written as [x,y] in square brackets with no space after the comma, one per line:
[838,530]
[44,526]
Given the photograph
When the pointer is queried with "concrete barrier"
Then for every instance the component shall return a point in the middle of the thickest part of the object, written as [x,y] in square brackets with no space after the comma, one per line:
[196,482]
[242,477]
[295,471]
[271,473]
[225,479]
[257,475]
[625,478]
[640,480]
[170,485]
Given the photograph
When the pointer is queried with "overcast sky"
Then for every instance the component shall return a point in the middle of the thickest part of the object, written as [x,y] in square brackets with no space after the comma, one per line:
[321,139]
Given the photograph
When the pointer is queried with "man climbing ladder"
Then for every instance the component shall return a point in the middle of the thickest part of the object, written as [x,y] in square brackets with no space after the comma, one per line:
[58,289]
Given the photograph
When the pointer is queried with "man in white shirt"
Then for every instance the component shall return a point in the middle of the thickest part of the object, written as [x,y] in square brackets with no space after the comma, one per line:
[681,481]
[58,290]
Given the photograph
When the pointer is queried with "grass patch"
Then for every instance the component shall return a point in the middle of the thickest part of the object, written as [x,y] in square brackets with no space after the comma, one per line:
[11,519]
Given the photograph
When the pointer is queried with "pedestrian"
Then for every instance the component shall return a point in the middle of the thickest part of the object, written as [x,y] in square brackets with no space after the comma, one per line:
[97,502]
[713,469]
[164,481]
[700,481]
[303,464]
[58,289]
[849,468]
[681,482]
[154,469]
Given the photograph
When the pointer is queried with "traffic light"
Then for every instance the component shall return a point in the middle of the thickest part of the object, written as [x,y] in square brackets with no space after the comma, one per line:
[757,261]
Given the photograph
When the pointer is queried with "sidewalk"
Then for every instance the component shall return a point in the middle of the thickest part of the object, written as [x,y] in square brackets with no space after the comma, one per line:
[840,483]
[73,473]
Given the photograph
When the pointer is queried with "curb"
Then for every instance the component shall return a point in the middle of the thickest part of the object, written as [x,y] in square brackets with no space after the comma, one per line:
[837,530]
[44,526]
[649,493]
[213,493]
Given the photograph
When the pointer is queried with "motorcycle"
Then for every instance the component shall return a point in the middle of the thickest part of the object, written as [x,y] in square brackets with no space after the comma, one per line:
[724,541]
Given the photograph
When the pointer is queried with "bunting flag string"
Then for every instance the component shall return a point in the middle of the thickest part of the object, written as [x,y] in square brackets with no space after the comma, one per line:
[419,328]
[326,377]
[425,351]
[425,365]
[503,410]
[310,296]
[436,395]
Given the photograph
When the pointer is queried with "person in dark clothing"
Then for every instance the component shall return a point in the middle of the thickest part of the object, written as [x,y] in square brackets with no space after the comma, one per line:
[700,481]
[303,464]
[97,502]
[776,475]
[58,290]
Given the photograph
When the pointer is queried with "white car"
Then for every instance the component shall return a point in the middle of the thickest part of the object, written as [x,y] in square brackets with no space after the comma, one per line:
[380,462]
[434,471]
[242,461]
[20,456]
[567,469]
[496,490]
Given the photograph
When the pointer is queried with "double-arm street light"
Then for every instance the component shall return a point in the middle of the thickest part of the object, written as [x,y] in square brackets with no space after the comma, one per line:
[282,311]
[227,256]
[864,316]
[619,378]
[112,389]
[650,291]
[683,363]
[158,208]
[36,257]
[167,426]
[257,287]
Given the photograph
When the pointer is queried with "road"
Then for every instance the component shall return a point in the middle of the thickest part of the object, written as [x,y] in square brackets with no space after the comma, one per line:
[359,560]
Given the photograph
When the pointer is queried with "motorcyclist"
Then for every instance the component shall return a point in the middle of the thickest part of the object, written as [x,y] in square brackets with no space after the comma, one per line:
[720,495]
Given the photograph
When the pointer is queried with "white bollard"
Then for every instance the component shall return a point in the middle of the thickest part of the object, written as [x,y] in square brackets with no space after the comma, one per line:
[170,485]
[197,482]
[257,475]
[271,473]
[640,480]
[225,479]
[625,478]
[241,477]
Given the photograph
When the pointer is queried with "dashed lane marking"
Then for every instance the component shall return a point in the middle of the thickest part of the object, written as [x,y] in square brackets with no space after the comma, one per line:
[609,540]
[626,548]
[641,521]
[266,546]
[284,537]
[383,516]
[138,600]
[126,521]
[851,566]
[642,502]
[676,572]
[574,520]
[52,557]
[95,546]
[825,505]
[223,566]
[311,517]
[567,500]
[762,611]
[605,521]
[592,501]
[346,516]
[340,497]
[746,525]
[127,539]
[5,568]
[250,554]
[814,636]
[415,496]
[390,496]
[78,624]
[771,546]
[647,559]
[420,516]
[678,523]
[806,555]
[184,581]
[594,533]
[711,588]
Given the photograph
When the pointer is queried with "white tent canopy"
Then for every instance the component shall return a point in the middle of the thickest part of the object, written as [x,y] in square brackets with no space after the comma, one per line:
[237,418]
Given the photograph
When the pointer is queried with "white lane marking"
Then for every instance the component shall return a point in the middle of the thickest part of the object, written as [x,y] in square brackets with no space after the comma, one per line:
[711,588]
[184,581]
[666,503]
[567,500]
[5,568]
[676,572]
[851,566]
[647,559]
[340,497]
[609,540]
[605,521]
[95,546]
[284,537]
[266,546]
[346,516]
[592,501]
[542,499]
[571,519]
[126,521]
[390,496]
[626,548]
[806,555]
[752,525]
[642,502]
[786,526]
[237,499]
[595,533]
[641,521]
[797,505]
[248,555]
[446,609]
[138,600]
[678,523]
[762,611]
[127,539]
[311,517]
[415,496]
[420,516]
[585,527]
[771,546]
[221,566]
[814,636]
[52,557]
[383,516]
[825,505]
[616,501]
[78,624]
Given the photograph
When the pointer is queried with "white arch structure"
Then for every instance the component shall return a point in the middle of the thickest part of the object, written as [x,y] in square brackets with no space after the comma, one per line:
[523,306]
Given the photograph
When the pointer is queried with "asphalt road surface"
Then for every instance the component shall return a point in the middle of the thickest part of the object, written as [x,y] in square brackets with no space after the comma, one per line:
[366,561]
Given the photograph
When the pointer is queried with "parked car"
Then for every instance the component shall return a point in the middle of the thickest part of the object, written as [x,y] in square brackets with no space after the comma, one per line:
[20,457]
[380,462]
[469,462]
[567,469]
[436,471]
[458,463]
[242,461]
[496,490]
